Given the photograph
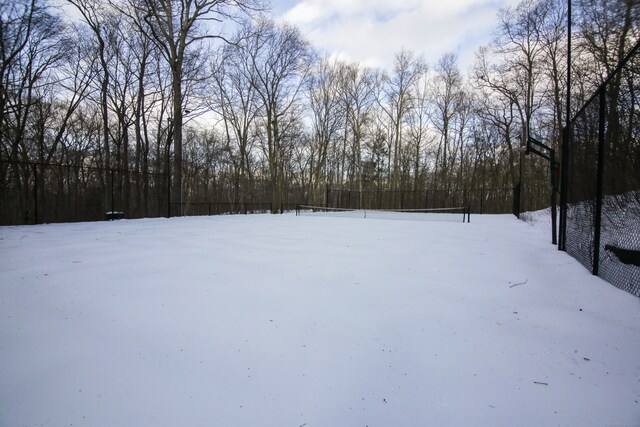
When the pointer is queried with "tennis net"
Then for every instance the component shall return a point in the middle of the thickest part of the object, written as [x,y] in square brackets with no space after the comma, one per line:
[453,214]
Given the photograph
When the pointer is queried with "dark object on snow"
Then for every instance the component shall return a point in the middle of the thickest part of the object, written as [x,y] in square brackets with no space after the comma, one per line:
[111,216]
[626,256]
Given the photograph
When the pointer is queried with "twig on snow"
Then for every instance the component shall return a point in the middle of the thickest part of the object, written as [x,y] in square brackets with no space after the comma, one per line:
[518,284]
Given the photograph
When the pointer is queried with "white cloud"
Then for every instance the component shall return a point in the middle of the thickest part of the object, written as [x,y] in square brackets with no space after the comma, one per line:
[304,13]
[372,31]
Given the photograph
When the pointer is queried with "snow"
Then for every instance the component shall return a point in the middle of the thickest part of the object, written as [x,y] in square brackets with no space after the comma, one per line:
[278,320]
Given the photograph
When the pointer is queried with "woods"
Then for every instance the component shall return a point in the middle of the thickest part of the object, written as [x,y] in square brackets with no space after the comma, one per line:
[219,103]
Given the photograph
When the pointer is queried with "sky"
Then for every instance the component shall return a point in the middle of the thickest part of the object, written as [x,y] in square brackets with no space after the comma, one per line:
[372,31]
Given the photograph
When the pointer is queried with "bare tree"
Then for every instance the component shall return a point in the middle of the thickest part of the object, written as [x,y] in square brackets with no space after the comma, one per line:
[143,59]
[397,101]
[497,106]
[609,30]
[359,91]
[178,27]
[513,71]
[282,60]
[234,97]
[327,117]
[447,99]
[553,34]
[32,44]
[419,123]
[45,75]
[520,42]
[96,15]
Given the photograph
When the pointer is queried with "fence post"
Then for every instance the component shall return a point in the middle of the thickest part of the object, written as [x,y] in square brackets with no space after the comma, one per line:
[465,197]
[598,218]
[35,193]
[516,200]
[112,194]
[554,186]
[168,187]
[564,176]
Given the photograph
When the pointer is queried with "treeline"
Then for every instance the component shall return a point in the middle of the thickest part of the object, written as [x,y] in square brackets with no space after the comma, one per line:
[150,87]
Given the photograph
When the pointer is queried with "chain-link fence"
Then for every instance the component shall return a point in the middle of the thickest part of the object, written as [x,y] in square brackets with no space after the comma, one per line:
[34,193]
[601,218]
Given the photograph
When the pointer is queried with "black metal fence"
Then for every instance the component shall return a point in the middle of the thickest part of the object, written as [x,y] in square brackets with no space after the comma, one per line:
[218,208]
[600,221]
[33,193]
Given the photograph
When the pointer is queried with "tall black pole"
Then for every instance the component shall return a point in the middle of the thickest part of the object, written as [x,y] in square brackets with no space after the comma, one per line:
[113,196]
[566,136]
[568,119]
[554,188]
[598,214]
[35,192]
[169,138]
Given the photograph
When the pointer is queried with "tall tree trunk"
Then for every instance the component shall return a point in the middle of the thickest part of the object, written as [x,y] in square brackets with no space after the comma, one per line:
[177,138]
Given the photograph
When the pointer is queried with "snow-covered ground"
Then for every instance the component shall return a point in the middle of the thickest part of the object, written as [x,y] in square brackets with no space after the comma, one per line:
[278,320]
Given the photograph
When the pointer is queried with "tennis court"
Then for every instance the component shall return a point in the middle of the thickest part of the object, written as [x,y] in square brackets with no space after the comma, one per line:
[284,320]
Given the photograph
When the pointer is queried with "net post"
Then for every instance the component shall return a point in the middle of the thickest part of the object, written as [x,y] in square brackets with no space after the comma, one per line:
[599,182]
